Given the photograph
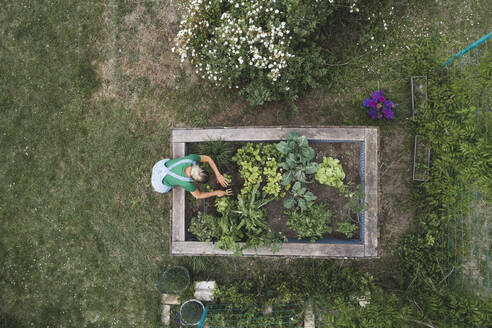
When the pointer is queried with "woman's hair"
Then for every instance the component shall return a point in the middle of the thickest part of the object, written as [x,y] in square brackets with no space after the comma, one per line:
[198,174]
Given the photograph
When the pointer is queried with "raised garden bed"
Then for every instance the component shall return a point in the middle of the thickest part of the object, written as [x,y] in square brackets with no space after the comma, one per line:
[355,147]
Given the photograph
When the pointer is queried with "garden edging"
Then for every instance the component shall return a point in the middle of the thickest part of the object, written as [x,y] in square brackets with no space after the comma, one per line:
[365,248]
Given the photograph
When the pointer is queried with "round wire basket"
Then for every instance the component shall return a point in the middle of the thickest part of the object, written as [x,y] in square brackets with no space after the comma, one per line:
[174,280]
[191,312]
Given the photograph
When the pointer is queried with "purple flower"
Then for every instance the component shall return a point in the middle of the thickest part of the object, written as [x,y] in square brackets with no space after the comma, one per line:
[388,104]
[380,106]
[376,94]
[373,113]
[388,113]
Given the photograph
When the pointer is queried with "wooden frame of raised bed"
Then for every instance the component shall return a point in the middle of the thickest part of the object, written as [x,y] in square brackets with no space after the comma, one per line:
[365,247]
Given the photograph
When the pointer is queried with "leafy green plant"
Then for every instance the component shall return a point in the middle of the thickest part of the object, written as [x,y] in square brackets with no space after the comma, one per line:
[203,226]
[298,164]
[253,217]
[241,220]
[225,230]
[228,233]
[218,149]
[298,161]
[311,223]
[223,204]
[347,228]
[330,172]
[300,197]
[259,163]
[355,203]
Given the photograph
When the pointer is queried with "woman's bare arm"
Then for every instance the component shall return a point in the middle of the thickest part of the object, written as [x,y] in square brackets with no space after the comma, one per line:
[201,195]
[220,178]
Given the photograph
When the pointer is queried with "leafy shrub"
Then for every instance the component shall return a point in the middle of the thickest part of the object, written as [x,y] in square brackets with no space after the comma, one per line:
[330,172]
[347,228]
[259,164]
[219,150]
[311,223]
[263,47]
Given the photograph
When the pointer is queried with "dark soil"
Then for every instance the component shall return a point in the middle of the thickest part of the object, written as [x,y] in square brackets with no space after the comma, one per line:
[349,156]
[347,152]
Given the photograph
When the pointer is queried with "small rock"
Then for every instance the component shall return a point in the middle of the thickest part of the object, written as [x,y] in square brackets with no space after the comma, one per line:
[309,317]
[204,290]
[166,314]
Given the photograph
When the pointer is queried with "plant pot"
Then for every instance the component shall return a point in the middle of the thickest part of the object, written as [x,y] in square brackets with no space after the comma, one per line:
[174,280]
[191,312]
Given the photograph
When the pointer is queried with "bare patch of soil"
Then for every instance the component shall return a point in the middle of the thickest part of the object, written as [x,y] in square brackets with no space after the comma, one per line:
[395,176]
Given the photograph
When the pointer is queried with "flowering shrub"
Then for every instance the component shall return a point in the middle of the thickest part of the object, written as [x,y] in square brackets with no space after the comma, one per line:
[261,46]
[380,106]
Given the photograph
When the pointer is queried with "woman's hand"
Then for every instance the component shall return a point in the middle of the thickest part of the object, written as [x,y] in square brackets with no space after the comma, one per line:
[222,180]
[222,193]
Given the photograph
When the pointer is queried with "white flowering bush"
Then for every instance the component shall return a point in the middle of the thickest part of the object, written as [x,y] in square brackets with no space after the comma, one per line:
[262,47]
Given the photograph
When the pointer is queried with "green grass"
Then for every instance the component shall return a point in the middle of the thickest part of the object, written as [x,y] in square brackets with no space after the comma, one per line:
[84,237]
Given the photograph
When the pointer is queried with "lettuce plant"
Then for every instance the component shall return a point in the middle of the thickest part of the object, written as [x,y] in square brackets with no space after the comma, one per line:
[330,173]
[259,164]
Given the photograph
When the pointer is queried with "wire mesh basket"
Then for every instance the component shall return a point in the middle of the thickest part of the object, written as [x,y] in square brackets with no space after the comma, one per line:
[191,312]
[174,280]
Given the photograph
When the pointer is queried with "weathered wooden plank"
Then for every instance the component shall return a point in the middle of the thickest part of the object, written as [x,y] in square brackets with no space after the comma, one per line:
[371,226]
[371,161]
[178,212]
[288,249]
[268,133]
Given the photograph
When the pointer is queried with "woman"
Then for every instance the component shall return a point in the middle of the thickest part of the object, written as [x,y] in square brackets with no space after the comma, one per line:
[184,172]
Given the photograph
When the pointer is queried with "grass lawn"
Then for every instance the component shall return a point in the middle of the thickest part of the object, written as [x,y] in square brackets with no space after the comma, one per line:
[89,92]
